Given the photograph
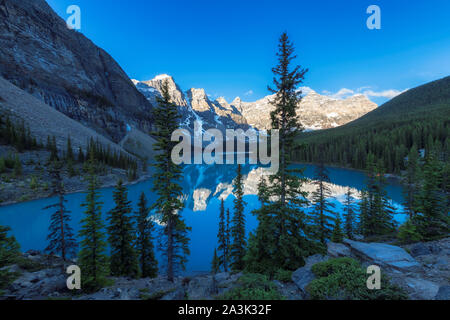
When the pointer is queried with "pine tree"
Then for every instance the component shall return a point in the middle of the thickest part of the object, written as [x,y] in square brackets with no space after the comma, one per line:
[364,223]
[51,145]
[284,199]
[223,238]
[262,244]
[92,257]
[228,237]
[433,220]
[410,183]
[215,268]
[61,237]
[80,155]
[215,263]
[379,218]
[349,214]
[69,151]
[174,240]
[323,215]
[238,244]
[144,242]
[9,247]
[123,260]
[17,167]
[9,252]
[337,235]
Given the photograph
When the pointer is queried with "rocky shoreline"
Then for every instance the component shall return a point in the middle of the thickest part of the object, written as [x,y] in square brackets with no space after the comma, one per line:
[421,269]
[35,182]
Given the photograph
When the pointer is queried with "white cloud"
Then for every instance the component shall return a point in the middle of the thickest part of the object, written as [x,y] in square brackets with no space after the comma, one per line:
[249,93]
[367,91]
[305,90]
[343,93]
[389,94]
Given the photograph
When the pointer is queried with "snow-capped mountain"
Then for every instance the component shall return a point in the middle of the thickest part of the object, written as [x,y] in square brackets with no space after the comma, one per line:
[315,111]
[194,105]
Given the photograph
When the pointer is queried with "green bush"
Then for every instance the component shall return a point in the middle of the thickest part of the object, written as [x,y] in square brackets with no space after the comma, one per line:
[345,279]
[407,233]
[2,165]
[34,183]
[283,275]
[253,287]
[9,251]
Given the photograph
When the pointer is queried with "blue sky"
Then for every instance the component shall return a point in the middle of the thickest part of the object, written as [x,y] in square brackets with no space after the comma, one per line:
[228,47]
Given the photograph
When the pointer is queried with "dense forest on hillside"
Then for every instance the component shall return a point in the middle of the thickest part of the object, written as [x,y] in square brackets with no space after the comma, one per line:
[420,117]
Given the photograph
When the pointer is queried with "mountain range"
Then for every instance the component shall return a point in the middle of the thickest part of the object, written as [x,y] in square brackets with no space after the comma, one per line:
[315,111]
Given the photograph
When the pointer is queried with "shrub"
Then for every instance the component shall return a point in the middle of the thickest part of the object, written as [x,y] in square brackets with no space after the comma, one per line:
[9,251]
[2,165]
[344,278]
[34,183]
[253,287]
[283,275]
[407,233]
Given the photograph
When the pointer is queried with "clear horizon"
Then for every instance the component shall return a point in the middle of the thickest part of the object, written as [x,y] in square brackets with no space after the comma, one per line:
[229,48]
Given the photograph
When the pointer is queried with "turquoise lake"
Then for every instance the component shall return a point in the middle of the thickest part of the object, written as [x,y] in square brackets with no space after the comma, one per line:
[203,186]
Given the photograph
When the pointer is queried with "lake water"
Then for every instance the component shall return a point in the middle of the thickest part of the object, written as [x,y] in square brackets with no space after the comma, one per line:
[203,186]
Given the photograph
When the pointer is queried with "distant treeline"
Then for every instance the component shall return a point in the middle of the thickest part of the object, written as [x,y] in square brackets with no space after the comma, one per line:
[388,141]
[418,118]
[20,137]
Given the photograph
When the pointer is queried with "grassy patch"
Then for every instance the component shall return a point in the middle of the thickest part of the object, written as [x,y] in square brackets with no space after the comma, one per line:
[345,279]
[28,264]
[155,295]
[283,275]
[253,287]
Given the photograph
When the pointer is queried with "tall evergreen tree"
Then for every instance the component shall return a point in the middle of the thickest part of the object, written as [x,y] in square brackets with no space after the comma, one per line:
[364,208]
[238,244]
[9,247]
[144,242]
[349,214]
[323,214]
[283,197]
[223,238]
[432,217]
[61,237]
[69,151]
[262,244]
[92,256]
[215,263]
[338,235]
[379,219]
[174,240]
[410,183]
[123,260]
[9,252]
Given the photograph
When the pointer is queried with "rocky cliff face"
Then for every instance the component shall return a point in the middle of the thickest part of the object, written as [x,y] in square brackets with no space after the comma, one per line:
[39,54]
[315,111]
[194,105]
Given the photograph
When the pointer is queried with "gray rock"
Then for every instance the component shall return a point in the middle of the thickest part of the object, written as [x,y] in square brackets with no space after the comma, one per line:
[178,294]
[421,289]
[443,293]
[67,71]
[200,288]
[420,249]
[303,276]
[384,255]
[337,250]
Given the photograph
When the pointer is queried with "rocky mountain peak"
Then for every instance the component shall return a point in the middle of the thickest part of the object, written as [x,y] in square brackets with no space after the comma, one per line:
[316,111]
[148,88]
[222,101]
[199,100]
